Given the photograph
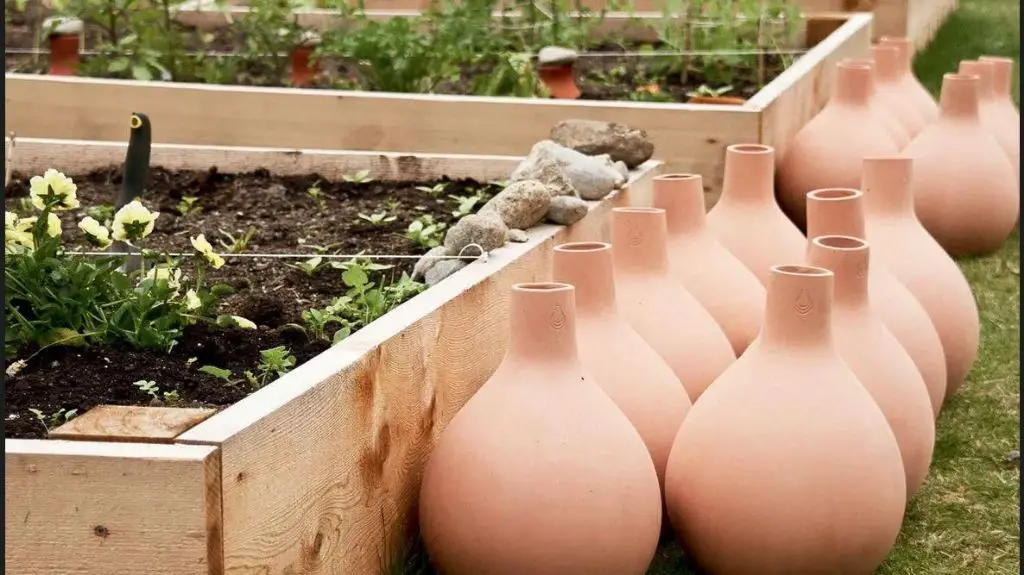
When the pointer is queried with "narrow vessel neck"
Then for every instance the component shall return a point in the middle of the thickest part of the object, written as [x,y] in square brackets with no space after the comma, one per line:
[835,212]
[638,240]
[886,186]
[985,72]
[887,62]
[798,310]
[542,322]
[1002,75]
[959,97]
[904,55]
[847,258]
[749,174]
[682,198]
[853,84]
[588,267]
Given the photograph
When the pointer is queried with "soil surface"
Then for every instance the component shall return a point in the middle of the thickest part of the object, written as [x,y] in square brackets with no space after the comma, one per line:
[284,218]
[629,77]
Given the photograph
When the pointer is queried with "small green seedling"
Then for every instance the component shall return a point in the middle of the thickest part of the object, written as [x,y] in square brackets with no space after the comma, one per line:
[55,419]
[378,219]
[435,190]
[360,177]
[318,196]
[151,389]
[425,232]
[274,363]
[188,206]
[238,244]
[218,372]
[310,266]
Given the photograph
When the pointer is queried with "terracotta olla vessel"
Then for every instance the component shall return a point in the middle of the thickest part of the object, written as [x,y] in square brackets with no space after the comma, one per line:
[875,355]
[657,305]
[840,211]
[719,281]
[540,472]
[912,87]
[828,151]
[919,263]
[787,465]
[965,191]
[889,89]
[636,378]
[1002,82]
[888,116]
[990,111]
[747,220]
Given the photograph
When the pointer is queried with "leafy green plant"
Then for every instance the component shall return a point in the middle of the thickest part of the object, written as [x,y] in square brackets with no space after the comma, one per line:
[274,363]
[318,196]
[218,372]
[435,190]
[53,297]
[424,232]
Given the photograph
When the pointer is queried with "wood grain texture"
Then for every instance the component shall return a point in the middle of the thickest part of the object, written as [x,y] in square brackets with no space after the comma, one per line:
[92,508]
[131,423]
[808,83]
[322,467]
[35,155]
[687,137]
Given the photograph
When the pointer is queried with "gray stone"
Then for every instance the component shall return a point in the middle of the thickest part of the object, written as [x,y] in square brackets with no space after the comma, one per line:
[622,168]
[592,178]
[427,261]
[443,269]
[518,236]
[486,230]
[553,55]
[567,210]
[548,171]
[521,204]
[623,143]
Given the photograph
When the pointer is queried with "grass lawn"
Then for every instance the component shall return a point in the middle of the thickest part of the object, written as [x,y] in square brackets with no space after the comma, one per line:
[966,518]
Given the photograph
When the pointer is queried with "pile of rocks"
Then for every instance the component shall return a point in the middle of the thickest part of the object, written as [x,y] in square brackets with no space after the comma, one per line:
[584,160]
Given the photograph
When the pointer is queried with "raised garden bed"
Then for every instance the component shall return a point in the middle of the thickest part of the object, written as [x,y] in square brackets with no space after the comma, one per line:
[689,137]
[316,471]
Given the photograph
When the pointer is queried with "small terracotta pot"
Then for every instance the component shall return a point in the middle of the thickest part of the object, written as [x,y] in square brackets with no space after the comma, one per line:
[560,81]
[913,90]
[787,437]
[658,307]
[636,378]
[720,100]
[828,151]
[841,212]
[913,256]
[965,190]
[888,117]
[875,355]
[889,89]
[747,220]
[64,56]
[991,113]
[526,462]
[303,69]
[720,282]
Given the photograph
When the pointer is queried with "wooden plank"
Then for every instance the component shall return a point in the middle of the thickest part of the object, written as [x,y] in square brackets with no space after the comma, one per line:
[924,19]
[688,137]
[808,84]
[35,155]
[74,508]
[322,467]
[131,423]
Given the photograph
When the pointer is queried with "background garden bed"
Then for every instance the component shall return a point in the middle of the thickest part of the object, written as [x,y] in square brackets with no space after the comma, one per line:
[688,137]
[319,470]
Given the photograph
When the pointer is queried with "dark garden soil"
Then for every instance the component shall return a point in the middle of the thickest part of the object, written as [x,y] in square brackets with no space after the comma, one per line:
[629,77]
[284,219]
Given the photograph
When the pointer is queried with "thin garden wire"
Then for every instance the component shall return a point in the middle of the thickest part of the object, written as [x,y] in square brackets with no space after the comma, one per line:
[305,256]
